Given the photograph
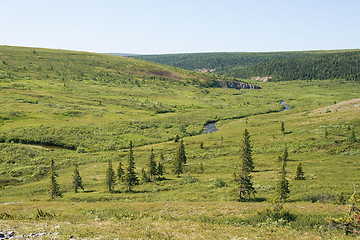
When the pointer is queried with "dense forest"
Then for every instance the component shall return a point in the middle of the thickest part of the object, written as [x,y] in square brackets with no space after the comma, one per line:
[279,65]
[316,66]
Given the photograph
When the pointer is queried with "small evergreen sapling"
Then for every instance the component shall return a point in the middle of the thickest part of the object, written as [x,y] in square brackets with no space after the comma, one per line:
[144,176]
[130,177]
[282,187]
[120,171]
[152,165]
[282,127]
[182,153]
[77,181]
[179,160]
[110,177]
[160,171]
[326,134]
[54,188]
[299,175]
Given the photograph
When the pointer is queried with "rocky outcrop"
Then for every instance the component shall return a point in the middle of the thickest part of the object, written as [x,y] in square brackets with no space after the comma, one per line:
[237,85]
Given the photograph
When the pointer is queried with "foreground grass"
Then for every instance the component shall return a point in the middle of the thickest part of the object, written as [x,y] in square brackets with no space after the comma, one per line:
[164,220]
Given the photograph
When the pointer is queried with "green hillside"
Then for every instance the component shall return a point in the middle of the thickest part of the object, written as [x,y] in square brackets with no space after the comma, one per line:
[307,65]
[48,96]
[83,109]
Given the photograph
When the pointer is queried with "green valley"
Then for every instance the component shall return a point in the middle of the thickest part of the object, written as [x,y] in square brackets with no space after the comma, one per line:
[91,106]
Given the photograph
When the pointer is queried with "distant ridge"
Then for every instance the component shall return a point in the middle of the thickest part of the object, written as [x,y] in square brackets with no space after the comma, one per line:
[301,65]
[124,54]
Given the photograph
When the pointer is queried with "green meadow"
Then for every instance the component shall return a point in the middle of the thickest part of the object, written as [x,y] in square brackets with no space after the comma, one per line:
[91,106]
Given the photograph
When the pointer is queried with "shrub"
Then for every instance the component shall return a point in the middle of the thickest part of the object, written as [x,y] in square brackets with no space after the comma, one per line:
[219,183]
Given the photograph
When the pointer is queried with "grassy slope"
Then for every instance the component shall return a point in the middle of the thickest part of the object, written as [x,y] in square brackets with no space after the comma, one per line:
[100,96]
[170,209]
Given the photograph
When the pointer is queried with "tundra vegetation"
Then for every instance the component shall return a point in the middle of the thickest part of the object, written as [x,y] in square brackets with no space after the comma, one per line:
[65,110]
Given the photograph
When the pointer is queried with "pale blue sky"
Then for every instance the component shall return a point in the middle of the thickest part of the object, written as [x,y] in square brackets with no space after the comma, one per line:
[174,26]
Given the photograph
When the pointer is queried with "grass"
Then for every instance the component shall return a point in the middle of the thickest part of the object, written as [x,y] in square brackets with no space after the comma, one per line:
[197,205]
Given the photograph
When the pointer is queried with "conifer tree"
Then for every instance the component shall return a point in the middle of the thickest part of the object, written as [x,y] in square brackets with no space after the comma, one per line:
[52,167]
[160,171]
[120,171]
[246,152]
[326,134]
[144,176]
[282,127]
[110,177]
[182,153]
[162,158]
[54,189]
[152,165]
[282,187]
[299,175]
[77,181]
[242,172]
[178,164]
[201,168]
[177,138]
[130,177]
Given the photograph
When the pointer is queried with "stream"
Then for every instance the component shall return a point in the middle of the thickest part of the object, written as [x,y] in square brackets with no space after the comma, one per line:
[210,127]
[287,107]
[46,146]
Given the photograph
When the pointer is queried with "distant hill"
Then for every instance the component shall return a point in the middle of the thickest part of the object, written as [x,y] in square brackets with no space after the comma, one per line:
[124,54]
[99,101]
[306,65]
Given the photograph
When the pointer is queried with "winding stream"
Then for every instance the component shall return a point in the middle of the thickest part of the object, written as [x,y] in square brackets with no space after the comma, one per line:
[287,106]
[210,127]
[46,146]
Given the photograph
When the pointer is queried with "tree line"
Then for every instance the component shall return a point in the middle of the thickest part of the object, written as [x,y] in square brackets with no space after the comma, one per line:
[344,65]
[279,65]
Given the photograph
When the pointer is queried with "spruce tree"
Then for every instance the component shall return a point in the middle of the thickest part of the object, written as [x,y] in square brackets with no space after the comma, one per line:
[130,177]
[326,134]
[178,164]
[182,153]
[201,168]
[246,152]
[242,172]
[284,155]
[162,158]
[282,127]
[176,138]
[110,177]
[160,171]
[282,187]
[54,189]
[77,181]
[152,165]
[299,175]
[120,171]
[144,176]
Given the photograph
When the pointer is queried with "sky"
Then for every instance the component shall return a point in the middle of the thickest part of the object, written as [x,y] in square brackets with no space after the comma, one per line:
[181,26]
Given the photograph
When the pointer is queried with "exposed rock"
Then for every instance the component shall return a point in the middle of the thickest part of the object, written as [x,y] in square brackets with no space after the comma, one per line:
[263,79]
[237,85]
